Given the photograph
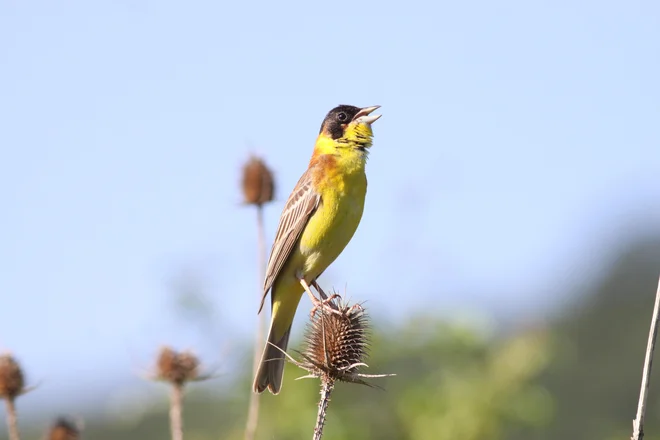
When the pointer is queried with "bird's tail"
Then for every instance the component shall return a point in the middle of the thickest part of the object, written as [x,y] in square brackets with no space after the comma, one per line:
[271,368]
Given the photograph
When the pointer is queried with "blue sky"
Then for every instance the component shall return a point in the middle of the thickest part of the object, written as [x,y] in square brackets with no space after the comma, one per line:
[518,139]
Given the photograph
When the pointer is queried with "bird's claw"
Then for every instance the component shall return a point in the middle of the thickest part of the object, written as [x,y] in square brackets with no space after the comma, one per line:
[325,304]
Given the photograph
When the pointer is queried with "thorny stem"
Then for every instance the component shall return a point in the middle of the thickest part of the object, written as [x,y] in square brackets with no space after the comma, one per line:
[638,423]
[253,410]
[327,385]
[12,420]
[176,403]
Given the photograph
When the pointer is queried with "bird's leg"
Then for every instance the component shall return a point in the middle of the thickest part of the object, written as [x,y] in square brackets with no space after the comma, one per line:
[315,284]
[327,301]
[314,299]
[318,304]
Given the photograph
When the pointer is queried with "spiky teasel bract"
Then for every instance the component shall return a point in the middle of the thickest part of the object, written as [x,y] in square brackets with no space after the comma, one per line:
[63,429]
[337,343]
[12,381]
[258,183]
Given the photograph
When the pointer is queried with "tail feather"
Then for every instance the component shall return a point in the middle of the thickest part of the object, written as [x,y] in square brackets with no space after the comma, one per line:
[271,369]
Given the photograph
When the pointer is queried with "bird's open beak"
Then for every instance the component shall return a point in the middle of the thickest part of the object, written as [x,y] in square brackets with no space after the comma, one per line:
[364,116]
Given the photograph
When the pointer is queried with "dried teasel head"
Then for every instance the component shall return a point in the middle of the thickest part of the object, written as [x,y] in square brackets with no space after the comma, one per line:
[12,381]
[177,368]
[63,429]
[258,183]
[336,343]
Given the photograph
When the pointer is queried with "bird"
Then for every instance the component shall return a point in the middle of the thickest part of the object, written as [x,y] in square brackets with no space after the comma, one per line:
[318,220]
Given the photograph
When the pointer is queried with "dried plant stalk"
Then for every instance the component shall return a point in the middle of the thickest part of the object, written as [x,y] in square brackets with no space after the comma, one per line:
[258,188]
[326,390]
[176,418]
[638,423]
[12,420]
[253,408]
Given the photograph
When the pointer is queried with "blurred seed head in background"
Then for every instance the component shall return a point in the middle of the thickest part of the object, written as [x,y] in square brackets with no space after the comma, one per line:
[12,381]
[258,183]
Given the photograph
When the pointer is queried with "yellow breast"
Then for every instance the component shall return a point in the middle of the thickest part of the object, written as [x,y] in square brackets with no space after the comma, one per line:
[335,221]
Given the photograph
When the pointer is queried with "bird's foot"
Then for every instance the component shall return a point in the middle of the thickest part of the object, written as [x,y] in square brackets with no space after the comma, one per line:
[325,304]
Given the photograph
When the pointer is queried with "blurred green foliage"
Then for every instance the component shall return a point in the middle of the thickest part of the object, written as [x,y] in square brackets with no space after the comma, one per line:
[574,375]
[452,382]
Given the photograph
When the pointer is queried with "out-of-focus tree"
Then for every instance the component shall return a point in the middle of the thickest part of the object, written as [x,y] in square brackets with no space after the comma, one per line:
[602,340]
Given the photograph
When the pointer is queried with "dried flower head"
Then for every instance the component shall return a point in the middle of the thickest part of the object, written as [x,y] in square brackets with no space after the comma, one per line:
[12,382]
[63,429]
[177,368]
[336,343]
[258,183]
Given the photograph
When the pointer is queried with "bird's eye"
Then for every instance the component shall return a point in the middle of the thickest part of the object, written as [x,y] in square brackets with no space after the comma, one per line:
[342,117]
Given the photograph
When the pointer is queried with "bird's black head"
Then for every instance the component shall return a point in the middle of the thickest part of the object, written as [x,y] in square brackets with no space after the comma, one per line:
[337,119]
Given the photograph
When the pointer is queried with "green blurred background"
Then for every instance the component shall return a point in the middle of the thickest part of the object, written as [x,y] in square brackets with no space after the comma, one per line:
[575,376]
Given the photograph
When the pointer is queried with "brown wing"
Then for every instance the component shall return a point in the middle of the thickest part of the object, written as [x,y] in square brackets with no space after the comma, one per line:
[300,206]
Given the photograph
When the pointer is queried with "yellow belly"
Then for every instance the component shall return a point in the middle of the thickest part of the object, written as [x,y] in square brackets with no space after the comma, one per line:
[326,235]
[330,229]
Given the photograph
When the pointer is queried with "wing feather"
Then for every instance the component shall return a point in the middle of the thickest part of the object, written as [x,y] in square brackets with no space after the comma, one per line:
[298,209]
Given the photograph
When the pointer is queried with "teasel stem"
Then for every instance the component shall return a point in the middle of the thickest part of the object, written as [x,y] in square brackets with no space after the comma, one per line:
[176,405]
[253,409]
[258,187]
[327,385]
[12,420]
